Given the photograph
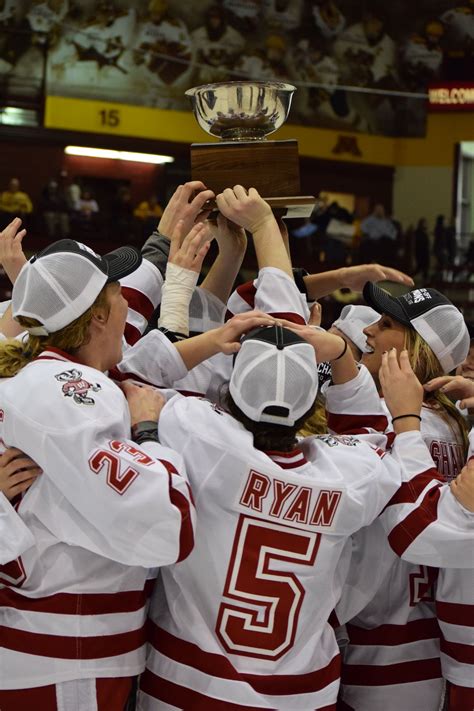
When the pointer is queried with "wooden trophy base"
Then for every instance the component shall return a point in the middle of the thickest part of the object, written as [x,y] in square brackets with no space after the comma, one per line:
[272,167]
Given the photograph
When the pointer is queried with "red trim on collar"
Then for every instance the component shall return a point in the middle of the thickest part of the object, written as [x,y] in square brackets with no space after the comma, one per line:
[288,460]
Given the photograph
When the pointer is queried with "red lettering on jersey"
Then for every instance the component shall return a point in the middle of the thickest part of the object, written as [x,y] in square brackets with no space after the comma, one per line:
[281,492]
[447,457]
[325,508]
[13,573]
[2,415]
[299,509]
[421,585]
[137,454]
[256,489]
[117,480]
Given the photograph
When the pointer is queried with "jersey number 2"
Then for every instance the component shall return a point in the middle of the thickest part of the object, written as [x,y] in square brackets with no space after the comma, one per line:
[262,621]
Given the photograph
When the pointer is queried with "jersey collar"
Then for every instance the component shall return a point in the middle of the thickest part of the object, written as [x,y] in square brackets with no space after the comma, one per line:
[52,353]
[288,460]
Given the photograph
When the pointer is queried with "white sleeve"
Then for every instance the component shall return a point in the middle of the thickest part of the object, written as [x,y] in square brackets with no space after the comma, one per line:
[278,295]
[273,292]
[423,521]
[356,407]
[98,489]
[15,537]
[154,360]
[142,289]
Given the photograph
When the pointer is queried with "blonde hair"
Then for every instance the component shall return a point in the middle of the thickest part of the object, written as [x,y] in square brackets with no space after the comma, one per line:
[426,366]
[14,354]
[317,424]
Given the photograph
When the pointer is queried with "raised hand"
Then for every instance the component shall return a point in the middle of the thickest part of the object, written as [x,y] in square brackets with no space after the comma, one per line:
[230,237]
[456,386]
[189,251]
[12,256]
[356,277]
[401,388]
[188,203]
[228,336]
[246,209]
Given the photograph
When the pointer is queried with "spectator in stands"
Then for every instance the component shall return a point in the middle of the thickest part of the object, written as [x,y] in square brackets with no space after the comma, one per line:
[444,247]
[122,214]
[55,212]
[14,202]
[148,212]
[422,249]
[217,45]
[70,188]
[86,205]
[86,212]
[328,18]
[379,237]
[282,15]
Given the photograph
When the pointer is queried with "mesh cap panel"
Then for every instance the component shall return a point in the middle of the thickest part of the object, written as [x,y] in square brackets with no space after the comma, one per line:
[266,376]
[56,289]
[446,333]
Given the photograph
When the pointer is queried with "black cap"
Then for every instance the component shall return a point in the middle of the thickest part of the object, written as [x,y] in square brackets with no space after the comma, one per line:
[115,265]
[276,335]
[404,308]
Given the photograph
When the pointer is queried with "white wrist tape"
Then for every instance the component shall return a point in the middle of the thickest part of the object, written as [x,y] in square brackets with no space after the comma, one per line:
[175,298]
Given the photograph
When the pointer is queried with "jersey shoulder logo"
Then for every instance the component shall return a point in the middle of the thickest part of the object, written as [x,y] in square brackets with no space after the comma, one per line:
[334,440]
[76,387]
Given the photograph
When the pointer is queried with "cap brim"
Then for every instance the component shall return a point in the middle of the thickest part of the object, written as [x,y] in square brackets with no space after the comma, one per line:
[122,262]
[384,303]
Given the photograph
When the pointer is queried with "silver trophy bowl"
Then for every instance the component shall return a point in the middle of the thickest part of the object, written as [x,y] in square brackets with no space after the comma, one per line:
[241,110]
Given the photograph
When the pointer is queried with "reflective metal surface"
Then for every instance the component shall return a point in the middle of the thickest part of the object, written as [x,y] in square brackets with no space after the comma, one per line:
[241,111]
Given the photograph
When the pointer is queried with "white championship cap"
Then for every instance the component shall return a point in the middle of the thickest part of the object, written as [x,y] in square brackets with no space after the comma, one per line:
[61,282]
[352,321]
[432,315]
[275,377]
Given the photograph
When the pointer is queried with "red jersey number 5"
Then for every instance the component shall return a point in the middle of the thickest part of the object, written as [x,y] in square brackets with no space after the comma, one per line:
[263,621]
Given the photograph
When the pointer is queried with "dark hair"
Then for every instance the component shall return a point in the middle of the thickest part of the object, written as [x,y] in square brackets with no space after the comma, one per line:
[268,437]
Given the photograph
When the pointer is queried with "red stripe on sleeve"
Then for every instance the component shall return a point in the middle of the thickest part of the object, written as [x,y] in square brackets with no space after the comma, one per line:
[247,292]
[186,533]
[410,490]
[356,424]
[463,653]
[132,334]
[455,614]
[415,523]
[138,301]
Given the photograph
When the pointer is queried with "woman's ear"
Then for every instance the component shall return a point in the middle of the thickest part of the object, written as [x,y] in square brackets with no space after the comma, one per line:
[100,315]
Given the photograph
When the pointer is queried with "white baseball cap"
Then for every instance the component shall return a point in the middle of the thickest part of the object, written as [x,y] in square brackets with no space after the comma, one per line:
[61,282]
[275,377]
[352,321]
[432,315]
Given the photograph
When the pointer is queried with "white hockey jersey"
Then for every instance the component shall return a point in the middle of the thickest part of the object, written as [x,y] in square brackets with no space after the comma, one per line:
[103,512]
[245,623]
[392,660]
